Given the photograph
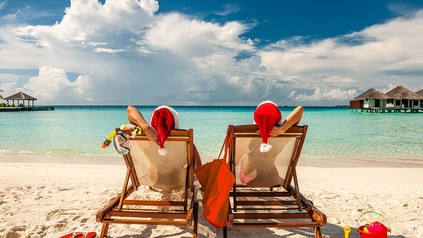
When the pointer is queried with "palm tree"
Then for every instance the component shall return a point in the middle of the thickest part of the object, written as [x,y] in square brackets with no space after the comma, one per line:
[1,97]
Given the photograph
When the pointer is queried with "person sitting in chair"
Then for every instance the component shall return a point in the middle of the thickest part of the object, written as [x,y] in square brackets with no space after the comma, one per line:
[258,165]
[155,132]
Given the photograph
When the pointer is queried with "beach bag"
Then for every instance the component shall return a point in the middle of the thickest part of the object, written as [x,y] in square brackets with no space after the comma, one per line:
[217,180]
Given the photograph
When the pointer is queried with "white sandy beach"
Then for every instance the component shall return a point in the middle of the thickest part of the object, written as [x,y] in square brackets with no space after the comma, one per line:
[40,197]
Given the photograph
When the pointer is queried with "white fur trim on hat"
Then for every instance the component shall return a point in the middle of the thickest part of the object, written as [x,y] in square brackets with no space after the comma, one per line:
[174,114]
[265,147]
[267,101]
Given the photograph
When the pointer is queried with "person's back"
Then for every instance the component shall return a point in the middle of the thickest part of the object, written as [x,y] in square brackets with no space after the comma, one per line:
[258,163]
[164,119]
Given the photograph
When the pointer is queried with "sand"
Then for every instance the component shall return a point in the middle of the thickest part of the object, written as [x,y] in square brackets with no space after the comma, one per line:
[46,196]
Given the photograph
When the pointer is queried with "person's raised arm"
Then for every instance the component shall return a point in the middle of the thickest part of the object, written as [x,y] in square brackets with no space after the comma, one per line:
[135,117]
[293,119]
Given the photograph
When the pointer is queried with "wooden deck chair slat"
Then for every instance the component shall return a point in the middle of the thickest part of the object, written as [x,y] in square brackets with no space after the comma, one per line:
[271,216]
[153,203]
[146,222]
[276,225]
[274,209]
[166,215]
[263,194]
[266,203]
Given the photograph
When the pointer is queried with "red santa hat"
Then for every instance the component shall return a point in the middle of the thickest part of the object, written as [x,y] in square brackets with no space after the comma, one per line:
[164,119]
[266,116]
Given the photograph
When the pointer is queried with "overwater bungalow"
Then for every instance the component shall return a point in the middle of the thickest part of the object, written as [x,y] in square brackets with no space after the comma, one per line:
[420,92]
[399,99]
[371,100]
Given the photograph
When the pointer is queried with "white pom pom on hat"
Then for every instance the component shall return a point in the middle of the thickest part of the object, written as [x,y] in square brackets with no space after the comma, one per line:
[266,116]
[163,151]
[164,119]
[264,147]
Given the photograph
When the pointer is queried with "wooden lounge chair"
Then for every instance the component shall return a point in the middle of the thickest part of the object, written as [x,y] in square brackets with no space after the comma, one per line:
[173,172]
[266,192]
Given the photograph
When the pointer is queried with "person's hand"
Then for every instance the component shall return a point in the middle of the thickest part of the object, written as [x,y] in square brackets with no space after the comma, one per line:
[151,133]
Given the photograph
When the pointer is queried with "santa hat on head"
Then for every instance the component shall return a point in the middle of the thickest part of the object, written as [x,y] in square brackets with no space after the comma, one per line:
[164,119]
[266,116]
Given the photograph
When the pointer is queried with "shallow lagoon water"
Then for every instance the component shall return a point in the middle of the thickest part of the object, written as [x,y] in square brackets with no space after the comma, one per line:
[334,132]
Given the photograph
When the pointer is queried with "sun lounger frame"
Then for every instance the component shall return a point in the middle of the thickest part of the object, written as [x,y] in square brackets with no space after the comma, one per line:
[267,207]
[123,210]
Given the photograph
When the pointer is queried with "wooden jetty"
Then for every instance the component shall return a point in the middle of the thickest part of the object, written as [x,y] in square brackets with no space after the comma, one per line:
[22,99]
[383,110]
[19,109]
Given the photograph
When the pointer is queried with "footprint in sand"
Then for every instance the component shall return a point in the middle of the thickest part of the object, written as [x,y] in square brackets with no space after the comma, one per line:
[63,189]
[15,231]
[61,224]
[53,213]
[12,234]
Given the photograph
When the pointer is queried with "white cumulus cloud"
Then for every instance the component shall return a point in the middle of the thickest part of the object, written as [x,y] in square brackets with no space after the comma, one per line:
[53,85]
[330,95]
[124,52]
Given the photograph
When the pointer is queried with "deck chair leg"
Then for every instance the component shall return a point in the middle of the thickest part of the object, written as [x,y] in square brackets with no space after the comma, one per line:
[124,189]
[104,230]
[195,219]
[297,189]
[225,231]
[317,232]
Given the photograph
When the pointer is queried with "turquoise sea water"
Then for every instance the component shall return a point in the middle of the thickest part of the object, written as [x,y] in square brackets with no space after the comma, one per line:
[334,132]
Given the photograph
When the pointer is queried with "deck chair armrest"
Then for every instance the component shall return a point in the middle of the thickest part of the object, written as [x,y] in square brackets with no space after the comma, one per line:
[112,203]
[100,214]
[317,215]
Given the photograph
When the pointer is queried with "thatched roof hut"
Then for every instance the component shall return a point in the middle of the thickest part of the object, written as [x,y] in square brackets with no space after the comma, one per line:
[369,99]
[398,99]
[400,92]
[20,96]
[371,94]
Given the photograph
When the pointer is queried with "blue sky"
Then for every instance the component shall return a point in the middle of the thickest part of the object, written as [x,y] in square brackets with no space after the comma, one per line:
[191,52]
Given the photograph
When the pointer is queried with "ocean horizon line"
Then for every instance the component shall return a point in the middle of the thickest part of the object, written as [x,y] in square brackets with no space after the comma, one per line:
[229,106]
